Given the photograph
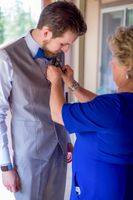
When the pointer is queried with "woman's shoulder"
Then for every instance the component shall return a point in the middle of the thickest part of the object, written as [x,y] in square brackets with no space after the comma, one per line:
[108,98]
[115,100]
[122,96]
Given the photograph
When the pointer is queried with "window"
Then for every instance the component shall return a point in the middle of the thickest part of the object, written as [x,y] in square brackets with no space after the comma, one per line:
[17,17]
[111,18]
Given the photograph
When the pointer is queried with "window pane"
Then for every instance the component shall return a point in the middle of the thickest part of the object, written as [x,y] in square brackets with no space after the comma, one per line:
[111,20]
[129,17]
[17,17]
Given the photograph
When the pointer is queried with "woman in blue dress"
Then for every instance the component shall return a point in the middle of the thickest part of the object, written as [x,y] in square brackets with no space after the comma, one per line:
[103,152]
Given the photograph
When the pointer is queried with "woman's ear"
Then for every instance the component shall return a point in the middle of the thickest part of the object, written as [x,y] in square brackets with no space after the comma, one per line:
[126,69]
[129,68]
[47,33]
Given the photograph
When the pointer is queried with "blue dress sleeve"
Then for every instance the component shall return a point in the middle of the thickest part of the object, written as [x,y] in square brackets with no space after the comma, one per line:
[96,115]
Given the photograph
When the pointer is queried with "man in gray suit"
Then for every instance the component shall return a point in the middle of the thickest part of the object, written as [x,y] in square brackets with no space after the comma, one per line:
[38,168]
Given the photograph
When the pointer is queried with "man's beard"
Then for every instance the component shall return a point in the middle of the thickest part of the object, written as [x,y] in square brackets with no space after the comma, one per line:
[49,53]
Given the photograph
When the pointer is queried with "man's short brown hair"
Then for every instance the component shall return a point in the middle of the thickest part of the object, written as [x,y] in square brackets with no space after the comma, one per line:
[62,16]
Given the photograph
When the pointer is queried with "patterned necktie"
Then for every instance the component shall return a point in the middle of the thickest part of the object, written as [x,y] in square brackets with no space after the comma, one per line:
[40,54]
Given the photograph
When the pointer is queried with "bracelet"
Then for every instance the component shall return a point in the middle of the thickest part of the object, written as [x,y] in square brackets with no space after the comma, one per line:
[75,85]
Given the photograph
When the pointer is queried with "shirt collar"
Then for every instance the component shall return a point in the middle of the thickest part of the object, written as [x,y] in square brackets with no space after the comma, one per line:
[32,44]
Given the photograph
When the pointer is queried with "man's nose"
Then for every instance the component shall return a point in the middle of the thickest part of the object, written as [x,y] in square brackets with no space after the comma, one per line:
[65,49]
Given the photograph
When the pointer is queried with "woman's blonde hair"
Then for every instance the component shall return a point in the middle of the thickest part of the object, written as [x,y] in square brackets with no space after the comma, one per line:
[121,46]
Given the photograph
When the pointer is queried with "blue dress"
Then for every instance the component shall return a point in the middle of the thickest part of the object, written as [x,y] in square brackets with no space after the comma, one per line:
[103,151]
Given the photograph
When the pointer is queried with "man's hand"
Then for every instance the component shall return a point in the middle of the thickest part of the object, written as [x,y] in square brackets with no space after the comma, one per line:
[69,152]
[11,180]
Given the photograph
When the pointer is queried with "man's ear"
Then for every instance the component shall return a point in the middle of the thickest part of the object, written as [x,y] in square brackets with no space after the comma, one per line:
[47,33]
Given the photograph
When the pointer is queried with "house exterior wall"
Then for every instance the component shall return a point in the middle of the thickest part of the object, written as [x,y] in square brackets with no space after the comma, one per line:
[109,1]
[91,45]
[115,2]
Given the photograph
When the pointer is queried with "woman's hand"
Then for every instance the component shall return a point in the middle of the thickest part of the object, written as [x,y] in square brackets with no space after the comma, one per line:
[54,73]
[67,75]
[56,95]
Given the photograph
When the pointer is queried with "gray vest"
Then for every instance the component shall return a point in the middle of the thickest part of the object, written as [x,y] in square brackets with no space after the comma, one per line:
[33,131]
